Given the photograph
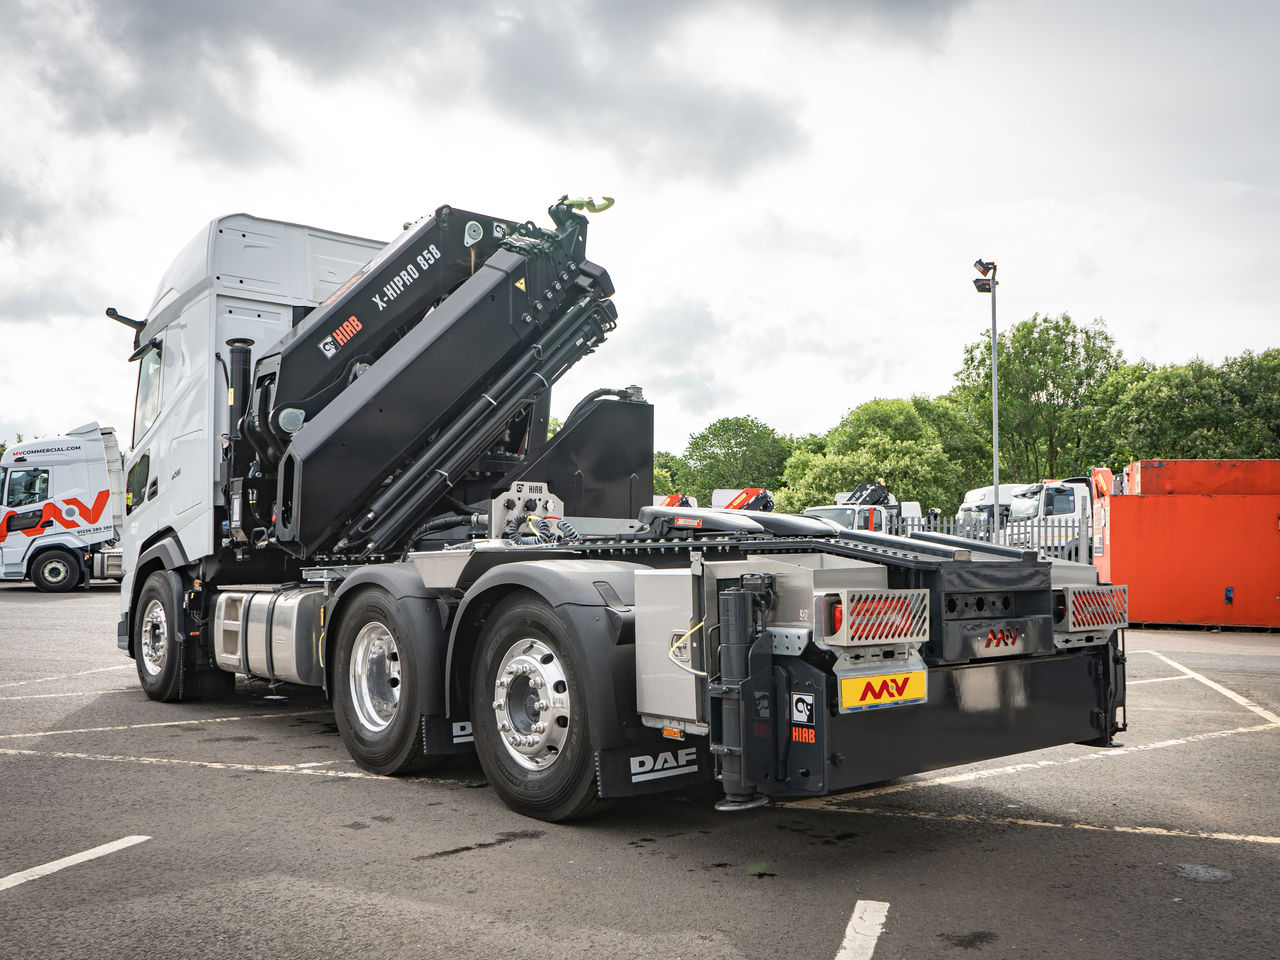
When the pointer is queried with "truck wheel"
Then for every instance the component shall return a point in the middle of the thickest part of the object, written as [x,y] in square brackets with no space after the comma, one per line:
[155,639]
[530,714]
[376,700]
[55,571]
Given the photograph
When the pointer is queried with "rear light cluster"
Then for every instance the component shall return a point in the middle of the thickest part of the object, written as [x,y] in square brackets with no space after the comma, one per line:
[1089,607]
[874,616]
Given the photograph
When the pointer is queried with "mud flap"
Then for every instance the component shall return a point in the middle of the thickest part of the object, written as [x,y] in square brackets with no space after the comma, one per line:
[655,767]
[444,735]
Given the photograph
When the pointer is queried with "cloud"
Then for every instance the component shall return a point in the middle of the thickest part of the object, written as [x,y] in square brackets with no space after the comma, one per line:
[597,71]
[22,207]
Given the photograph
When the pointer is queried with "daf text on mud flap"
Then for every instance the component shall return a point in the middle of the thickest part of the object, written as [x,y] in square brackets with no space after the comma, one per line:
[669,764]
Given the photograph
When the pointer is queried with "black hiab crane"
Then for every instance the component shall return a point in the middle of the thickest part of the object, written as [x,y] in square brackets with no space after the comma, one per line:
[387,518]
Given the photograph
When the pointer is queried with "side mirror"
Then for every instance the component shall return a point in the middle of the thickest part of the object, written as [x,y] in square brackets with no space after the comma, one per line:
[153,342]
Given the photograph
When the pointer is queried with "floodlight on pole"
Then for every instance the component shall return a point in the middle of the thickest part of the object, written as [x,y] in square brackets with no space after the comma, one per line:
[987,283]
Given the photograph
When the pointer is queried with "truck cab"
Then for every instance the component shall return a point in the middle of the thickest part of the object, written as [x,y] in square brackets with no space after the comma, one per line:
[868,507]
[240,278]
[1054,517]
[61,508]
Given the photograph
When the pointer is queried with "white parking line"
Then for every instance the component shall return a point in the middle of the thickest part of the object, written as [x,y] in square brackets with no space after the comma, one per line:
[1212,685]
[1273,722]
[307,769]
[14,879]
[68,676]
[835,802]
[863,931]
[1181,676]
[163,723]
[1015,821]
[78,693]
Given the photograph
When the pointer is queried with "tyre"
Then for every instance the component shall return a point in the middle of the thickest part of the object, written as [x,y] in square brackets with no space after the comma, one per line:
[56,571]
[157,652]
[376,697]
[529,713]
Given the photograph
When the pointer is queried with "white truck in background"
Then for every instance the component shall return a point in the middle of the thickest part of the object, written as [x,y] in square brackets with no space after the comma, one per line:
[870,506]
[1054,517]
[61,507]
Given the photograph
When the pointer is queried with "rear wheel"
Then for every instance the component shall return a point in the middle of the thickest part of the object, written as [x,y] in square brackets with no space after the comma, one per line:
[376,695]
[56,571]
[530,714]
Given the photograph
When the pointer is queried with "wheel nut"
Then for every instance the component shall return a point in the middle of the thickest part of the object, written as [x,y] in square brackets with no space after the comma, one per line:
[539,728]
[541,705]
[537,683]
[504,682]
[499,705]
[504,727]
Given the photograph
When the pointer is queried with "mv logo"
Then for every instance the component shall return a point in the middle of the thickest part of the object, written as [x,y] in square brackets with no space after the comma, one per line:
[890,688]
[1002,637]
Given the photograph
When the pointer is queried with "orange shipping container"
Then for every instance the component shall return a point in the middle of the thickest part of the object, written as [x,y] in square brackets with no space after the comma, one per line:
[1175,477]
[1208,558]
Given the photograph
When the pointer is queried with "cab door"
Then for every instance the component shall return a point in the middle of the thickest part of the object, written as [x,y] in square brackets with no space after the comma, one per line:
[22,519]
[142,484]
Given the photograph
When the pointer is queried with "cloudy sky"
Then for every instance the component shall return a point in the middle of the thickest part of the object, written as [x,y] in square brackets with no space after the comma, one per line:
[802,187]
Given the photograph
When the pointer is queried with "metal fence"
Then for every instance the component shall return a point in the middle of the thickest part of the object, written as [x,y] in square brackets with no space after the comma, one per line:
[1063,537]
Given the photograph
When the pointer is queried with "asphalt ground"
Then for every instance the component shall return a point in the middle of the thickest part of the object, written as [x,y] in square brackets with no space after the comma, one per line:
[262,839]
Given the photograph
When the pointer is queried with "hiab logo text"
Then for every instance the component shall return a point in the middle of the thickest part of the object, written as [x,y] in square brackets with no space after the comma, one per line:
[331,344]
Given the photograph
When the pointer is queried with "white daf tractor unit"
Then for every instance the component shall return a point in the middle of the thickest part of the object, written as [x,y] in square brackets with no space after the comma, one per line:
[342,477]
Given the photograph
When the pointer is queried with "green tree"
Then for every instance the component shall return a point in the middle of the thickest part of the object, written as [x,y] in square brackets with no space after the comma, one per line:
[735,452]
[671,473]
[1183,410]
[1109,410]
[965,443]
[1192,410]
[881,440]
[1254,380]
[1049,370]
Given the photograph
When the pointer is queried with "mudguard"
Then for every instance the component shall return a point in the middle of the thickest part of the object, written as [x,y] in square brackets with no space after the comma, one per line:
[167,554]
[594,598]
[423,610]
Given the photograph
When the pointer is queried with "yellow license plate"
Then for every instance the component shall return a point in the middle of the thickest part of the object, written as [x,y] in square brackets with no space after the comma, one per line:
[883,690]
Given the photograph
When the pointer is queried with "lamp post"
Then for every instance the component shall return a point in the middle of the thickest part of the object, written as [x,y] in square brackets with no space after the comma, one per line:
[987,284]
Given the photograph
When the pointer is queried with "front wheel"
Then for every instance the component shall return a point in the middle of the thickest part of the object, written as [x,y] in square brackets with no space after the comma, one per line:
[376,696]
[55,571]
[155,639]
[529,709]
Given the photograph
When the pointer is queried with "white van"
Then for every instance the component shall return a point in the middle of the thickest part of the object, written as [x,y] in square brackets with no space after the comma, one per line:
[61,507]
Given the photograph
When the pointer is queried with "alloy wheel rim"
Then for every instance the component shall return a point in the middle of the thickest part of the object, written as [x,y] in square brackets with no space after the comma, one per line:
[531,705]
[154,642]
[375,676]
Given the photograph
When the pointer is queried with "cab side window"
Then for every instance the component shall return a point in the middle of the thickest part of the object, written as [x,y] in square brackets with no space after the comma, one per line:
[147,406]
[27,487]
[1062,504]
[136,483]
